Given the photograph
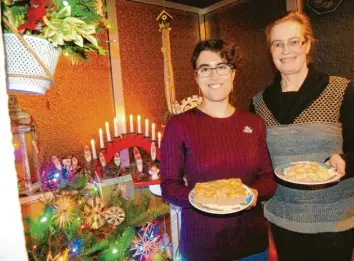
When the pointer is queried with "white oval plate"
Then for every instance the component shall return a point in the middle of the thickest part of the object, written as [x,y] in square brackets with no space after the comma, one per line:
[234,209]
[280,172]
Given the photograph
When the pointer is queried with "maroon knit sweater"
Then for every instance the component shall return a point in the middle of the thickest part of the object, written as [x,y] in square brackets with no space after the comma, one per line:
[204,149]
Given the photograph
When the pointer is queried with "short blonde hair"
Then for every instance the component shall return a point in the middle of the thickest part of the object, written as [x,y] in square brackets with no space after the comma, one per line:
[301,19]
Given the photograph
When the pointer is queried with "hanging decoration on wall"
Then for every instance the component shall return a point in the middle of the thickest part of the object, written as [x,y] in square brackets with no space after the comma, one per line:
[164,19]
[323,6]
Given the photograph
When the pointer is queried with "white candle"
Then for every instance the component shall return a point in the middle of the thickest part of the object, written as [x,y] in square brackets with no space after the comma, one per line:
[124,129]
[158,139]
[94,154]
[153,131]
[131,123]
[146,128]
[139,125]
[116,133]
[100,132]
[108,133]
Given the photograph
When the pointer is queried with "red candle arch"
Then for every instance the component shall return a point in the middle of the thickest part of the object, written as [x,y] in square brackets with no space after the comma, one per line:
[125,142]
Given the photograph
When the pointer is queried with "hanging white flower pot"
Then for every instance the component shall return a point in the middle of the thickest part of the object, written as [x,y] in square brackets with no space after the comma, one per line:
[30,63]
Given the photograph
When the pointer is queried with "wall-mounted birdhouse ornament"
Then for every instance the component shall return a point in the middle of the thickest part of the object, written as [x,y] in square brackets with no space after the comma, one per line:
[164,20]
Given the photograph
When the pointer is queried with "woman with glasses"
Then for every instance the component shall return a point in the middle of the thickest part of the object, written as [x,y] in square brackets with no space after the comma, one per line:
[309,117]
[211,142]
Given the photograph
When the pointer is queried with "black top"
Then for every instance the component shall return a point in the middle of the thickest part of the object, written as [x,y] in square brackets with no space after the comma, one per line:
[286,106]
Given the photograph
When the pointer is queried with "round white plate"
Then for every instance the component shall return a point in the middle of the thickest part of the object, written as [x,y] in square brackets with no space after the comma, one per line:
[280,172]
[234,209]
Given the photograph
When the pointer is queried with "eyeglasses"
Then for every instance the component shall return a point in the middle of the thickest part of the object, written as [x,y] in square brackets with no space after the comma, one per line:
[221,69]
[294,45]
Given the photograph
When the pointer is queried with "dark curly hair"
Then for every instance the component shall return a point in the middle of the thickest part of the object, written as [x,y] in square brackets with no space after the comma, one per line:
[227,52]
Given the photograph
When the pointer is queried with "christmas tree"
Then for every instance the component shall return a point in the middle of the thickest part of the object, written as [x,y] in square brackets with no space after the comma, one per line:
[78,224]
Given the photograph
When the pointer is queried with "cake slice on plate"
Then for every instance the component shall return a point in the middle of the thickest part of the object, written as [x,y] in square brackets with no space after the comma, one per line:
[221,194]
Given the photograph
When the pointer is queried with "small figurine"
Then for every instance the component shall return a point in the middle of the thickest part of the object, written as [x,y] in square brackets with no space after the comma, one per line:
[70,167]
[56,162]
[117,159]
[74,163]
[154,172]
[87,154]
[67,164]
[102,159]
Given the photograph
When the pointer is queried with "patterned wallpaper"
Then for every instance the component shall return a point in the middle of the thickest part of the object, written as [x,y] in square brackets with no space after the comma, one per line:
[142,60]
[244,23]
[74,108]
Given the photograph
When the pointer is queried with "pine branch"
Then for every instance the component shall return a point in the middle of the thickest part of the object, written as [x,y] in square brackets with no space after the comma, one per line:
[134,210]
[126,239]
[38,230]
[97,247]
[119,248]
[149,215]
[117,198]
[143,205]
[78,182]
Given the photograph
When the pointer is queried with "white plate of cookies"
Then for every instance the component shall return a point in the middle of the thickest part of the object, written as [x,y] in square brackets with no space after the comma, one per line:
[307,173]
[224,196]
